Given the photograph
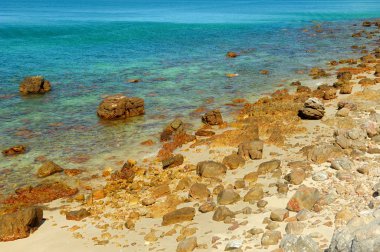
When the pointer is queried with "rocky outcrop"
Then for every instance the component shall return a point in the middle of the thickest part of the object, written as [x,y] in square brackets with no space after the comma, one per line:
[20,224]
[360,234]
[34,85]
[15,150]
[213,118]
[251,150]
[313,109]
[120,107]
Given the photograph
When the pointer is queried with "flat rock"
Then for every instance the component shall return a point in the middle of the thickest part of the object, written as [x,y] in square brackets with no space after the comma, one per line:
[227,197]
[179,215]
[199,191]
[48,168]
[77,215]
[211,169]
[269,166]
[233,161]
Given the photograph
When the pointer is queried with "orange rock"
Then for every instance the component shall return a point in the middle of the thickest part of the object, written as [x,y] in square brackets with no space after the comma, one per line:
[98,194]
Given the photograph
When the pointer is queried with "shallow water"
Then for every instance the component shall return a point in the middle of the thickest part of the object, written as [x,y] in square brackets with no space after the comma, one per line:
[89,49]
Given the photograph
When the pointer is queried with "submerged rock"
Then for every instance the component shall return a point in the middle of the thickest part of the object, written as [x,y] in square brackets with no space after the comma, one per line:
[48,168]
[15,150]
[20,224]
[35,85]
[120,107]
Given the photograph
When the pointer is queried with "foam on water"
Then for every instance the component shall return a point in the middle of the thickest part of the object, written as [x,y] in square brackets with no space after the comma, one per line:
[89,49]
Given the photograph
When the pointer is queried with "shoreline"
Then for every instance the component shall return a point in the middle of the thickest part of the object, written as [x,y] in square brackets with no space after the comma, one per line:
[286,148]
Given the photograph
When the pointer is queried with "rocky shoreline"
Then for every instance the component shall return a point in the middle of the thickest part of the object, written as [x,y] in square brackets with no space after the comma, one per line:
[296,171]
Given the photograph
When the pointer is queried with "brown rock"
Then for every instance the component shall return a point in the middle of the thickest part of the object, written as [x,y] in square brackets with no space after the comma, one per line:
[20,224]
[232,54]
[173,161]
[48,168]
[15,150]
[251,150]
[187,245]
[77,215]
[120,107]
[199,191]
[279,214]
[233,161]
[329,94]
[296,177]
[256,193]
[35,85]
[269,166]
[346,89]
[221,213]
[227,197]
[251,177]
[175,127]
[367,82]
[179,215]
[205,133]
[207,207]
[213,118]
[211,169]
[317,73]
[270,238]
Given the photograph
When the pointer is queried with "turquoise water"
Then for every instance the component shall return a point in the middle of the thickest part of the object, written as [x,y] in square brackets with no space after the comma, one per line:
[89,49]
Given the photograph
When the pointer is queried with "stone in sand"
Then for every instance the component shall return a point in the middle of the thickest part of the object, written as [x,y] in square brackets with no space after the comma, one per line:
[20,224]
[48,168]
[173,128]
[179,215]
[227,197]
[304,198]
[295,227]
[270,238]
[199,191]
[207,207]
[296,177]
[211,169]
[367,82]
[34,85]
[213,118]
[251,150]
[323,152]
[255,194]
[233,161]
[279,214]
[77,215]
[313,109]
[269,166]
[221,213]
[120,107]
[317,73]
[294,243]
[187,245]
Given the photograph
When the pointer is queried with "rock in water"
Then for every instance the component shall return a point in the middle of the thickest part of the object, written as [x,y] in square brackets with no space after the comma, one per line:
[15,150]
[213,118]
[48,168]
[179,215]
[20,224]
[304,198]
[35,85]
[313,109]
[120,107]
[211,169]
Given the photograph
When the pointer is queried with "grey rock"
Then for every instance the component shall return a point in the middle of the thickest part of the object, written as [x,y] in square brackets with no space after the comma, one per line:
[293,243]
[342,163]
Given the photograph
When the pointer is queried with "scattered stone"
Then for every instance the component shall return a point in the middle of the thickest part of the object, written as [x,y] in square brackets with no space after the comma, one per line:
[296,177]
[304,214]
[233,161]
[204,133]
[77,215]
[213,118]
[342,163]
[251,177]
[211,169]
[199,191]
[120,107]
[187,245]
[251,150]
[173,161]
[262,203]
[174,128]
[270,238]
[233,245]
[279,214]
[269,166]
[34,85]
[48,168]
[255,194]
[227,197]
[207,207]
[20,224]
[255,231]
[15,150]
[293,243]
[313,109]
[294,227]
[320,176]
[305,197]
[323,152]
[179,215]
[221,213]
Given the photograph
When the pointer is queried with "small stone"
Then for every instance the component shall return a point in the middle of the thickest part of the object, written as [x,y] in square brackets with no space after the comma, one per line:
[207,207]
[213,118]
[233,161]
[48,168]
[320,176]
[179,215]
[15,150]
[221,213]
[256,193]
[199,191]
[344,112]
[173,161]
[262,203]
[77,215]
[233,245]
[294,227]
[268,166]
[296,177]
[272,225]
[303,215]
[148,201]
[211,169]
[270,238]
[251,177]
[187,245]
[150,237]
[255,231]
[305,197]
[279,214]
[251,150]
[227,197]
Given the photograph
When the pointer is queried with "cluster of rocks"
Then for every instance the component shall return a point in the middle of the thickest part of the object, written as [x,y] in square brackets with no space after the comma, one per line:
[35,85]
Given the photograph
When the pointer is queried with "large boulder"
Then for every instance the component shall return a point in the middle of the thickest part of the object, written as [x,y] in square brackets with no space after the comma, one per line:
[360,234]
[120,107]
[20,224]
[313,109]
[213,118]
[251,149]
[211,169]
[34,85]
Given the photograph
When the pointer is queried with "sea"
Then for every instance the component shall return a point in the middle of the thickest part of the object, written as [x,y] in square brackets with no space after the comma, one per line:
[89,49]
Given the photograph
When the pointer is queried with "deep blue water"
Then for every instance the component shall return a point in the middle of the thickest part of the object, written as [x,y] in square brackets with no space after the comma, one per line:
[90,48]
